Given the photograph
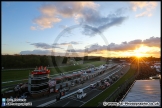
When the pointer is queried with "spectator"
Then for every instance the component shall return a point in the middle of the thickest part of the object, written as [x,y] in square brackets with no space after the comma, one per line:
[58,97]
[145,72]
[60,94]
[48,92]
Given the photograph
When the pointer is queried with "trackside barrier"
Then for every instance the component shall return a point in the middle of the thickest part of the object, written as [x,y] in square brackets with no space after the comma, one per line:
[105,89]
[52,101]
[119,90]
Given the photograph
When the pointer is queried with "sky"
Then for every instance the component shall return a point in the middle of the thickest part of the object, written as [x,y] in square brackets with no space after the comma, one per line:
[108,29]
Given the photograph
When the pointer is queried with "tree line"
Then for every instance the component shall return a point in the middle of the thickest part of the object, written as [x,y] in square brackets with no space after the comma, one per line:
[31,61]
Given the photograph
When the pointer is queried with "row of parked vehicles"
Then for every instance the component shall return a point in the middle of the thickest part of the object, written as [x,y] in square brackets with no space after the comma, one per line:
[99,85]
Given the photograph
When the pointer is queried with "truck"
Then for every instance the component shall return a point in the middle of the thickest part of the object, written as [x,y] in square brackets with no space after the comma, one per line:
[81,94]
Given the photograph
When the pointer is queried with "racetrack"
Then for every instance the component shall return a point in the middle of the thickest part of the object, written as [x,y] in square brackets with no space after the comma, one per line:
[91,93]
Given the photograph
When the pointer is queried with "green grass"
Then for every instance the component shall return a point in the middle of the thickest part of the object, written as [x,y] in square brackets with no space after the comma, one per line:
[23,74]
[6,89]
[101,97]
[13,83]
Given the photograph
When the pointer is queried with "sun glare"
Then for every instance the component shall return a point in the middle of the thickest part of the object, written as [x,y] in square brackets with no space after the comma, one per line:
[140,51]
[138,55]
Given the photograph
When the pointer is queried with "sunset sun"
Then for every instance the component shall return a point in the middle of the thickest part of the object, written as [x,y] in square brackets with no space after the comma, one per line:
[138,55]
[141,51]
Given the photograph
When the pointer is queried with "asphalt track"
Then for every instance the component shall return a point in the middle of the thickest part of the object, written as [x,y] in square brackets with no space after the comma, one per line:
[72,101]
[52,96]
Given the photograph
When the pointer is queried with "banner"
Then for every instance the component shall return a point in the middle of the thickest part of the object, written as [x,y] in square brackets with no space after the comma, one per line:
[52,83]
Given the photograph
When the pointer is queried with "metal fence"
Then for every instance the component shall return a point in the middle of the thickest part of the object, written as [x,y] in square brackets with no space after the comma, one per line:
[119,90]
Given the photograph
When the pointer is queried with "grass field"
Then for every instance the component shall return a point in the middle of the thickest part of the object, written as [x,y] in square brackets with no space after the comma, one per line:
[23,74]
[109,91]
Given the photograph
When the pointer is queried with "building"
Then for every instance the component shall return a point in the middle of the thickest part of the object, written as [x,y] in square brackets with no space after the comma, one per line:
[144,91]
[38,82]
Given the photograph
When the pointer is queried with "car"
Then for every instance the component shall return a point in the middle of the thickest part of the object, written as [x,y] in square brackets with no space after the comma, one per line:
[72,84]
[92,86]
[81,94]
[107,84]
[117,76]
[101,87]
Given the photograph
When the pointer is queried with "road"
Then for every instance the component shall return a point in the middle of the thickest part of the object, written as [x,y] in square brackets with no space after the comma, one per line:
[73,98]
[72,101]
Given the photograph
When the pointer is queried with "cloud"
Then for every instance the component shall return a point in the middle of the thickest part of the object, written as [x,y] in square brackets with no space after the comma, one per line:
[42,52]
[5,44]
[137,41]
[37,52]
[111,21]
[46,22]
[52,13]
[67,43]
[88,49]
[152,42]
[94,18]
[154,52]
[77,50]
[93,22]
[75,43]
[150,46]
[44,46]
[66,9]
[123,46]
[146,6]
[144,14]
[33,28]
[84,13]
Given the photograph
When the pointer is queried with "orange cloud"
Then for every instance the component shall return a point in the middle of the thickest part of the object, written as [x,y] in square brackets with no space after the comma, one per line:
[146,6]
[46,22]
[52,13]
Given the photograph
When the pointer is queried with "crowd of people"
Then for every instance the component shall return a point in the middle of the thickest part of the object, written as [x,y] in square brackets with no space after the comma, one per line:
[145,71]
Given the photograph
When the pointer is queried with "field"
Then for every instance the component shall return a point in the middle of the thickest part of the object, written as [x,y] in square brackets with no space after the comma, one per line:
[109,91]
[23,74]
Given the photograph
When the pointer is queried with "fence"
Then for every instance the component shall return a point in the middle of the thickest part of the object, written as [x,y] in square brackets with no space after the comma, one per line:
[119,90]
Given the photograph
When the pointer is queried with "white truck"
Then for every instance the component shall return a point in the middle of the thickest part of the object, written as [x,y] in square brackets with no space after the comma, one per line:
[81,94]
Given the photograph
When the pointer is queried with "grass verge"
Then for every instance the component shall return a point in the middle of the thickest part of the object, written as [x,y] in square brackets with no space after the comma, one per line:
[23,74]
[101,97]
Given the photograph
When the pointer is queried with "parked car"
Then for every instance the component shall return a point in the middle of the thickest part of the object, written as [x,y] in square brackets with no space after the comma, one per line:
[72,84]
[92,86]
[101,87]
[107,84]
